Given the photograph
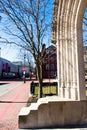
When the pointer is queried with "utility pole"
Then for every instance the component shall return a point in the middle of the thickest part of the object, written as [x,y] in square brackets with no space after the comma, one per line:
[0,64]
[24,69]
[0,56]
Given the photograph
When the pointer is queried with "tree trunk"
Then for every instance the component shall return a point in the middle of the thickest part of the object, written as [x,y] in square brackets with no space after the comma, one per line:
[39,74]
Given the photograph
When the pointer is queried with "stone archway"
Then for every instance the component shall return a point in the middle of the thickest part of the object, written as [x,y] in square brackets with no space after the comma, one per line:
[53,112]
[67,34]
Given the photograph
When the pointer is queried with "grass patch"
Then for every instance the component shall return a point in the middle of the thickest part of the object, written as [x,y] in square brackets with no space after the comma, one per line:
[46,90]
[86,92]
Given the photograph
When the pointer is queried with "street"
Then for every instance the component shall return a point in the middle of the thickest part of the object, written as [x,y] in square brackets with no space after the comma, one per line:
[13,96]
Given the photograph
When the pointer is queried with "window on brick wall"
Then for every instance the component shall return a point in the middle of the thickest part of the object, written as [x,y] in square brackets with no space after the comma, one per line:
[47,66]
[52,66]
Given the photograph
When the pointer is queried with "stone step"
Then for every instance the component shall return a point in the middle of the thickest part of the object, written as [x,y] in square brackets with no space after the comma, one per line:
[53,112]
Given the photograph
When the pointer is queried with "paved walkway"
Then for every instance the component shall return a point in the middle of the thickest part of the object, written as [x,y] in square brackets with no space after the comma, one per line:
[11,104]
[9,111]
[58,129]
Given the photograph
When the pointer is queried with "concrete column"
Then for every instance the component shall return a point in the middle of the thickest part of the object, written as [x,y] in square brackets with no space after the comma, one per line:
[67,51]
[74,68]
[79,50]
[58,50]
[70,45]
[61,49]
[70,50]
[58,67]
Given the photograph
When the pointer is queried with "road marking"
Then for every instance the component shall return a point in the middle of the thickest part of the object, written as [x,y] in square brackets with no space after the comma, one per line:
[10,104]
[7,108]
[7,89]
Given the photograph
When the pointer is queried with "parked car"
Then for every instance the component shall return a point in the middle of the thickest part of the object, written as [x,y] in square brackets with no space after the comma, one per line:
[9,75]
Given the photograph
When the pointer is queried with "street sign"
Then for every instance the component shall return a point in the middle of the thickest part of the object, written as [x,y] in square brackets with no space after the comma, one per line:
[24,68]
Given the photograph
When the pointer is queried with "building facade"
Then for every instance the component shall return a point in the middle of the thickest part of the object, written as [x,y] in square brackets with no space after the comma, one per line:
[12,69]
[49,66]
[7,68]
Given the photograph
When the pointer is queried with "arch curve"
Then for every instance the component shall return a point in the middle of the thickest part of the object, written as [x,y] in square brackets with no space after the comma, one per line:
[67,34]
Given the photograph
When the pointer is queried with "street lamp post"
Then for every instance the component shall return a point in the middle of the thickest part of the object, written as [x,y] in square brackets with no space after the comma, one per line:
[24,69]
[0,64]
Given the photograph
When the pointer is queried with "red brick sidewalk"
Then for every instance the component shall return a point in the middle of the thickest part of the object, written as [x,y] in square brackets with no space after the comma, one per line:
[17,98]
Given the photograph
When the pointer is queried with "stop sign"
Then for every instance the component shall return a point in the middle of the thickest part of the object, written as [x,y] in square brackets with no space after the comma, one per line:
[24,68]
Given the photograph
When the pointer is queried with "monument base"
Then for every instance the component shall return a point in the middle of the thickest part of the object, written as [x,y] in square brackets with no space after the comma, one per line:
[53,112]
[74,93]
[67,93]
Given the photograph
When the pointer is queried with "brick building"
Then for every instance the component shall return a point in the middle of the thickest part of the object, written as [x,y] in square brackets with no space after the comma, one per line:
[49,67]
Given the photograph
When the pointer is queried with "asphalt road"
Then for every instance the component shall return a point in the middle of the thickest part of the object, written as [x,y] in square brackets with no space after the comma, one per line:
[13,96]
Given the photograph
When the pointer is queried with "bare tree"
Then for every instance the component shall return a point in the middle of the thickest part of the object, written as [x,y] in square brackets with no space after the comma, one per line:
[28,22]
[85,27]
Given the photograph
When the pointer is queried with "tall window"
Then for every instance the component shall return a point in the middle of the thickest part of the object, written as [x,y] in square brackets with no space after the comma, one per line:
[47,66]
[52,66]
[52,59]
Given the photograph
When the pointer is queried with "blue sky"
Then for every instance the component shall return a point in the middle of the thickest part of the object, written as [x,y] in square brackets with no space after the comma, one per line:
[85,28]
[11,52]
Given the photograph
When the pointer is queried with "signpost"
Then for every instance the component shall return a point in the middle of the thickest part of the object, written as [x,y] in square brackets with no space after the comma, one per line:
[24,69]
